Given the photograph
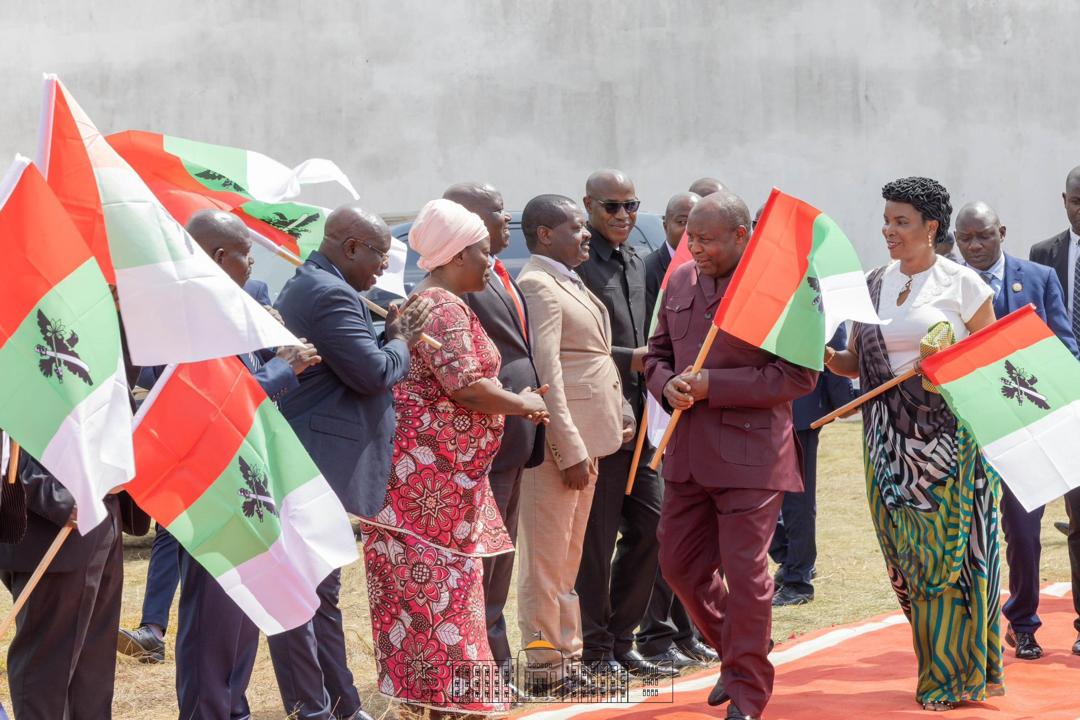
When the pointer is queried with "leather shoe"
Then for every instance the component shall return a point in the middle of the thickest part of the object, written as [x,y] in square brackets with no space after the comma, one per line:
[672,658]
[1027,647]
[1062,527]
[719,695]
[1076,645]
[787,596]
[141,644]
[359,715]
[734,713]
[636,664]
[697,650]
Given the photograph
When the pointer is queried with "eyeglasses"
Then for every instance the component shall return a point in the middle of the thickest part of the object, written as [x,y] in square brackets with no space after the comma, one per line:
[384,256]
[611,207]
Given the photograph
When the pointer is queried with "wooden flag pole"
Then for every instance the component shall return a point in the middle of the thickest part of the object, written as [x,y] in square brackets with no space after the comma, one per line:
[840,412]
[13,464]
[642,431]
[39,571]
[702,354]
[373,307]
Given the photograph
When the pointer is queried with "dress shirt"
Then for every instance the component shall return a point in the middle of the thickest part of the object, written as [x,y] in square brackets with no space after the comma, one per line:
[562,270]
[995,271]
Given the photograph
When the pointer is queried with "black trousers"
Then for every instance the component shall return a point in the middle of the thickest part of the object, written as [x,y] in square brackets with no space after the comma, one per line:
[666,622]
[162,577]
[215,648]
[614,592]
[62,660]
[794,545]
[1072,507]
[310,665]
[506,487]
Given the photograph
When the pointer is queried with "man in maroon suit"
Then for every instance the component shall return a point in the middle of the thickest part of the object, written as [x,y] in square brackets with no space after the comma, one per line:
[731,458]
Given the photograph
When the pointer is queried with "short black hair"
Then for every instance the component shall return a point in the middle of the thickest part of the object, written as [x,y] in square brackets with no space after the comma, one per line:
[927,196]
[544,210]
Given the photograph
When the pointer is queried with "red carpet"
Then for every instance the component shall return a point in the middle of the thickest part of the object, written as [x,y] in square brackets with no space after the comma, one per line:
[867,670]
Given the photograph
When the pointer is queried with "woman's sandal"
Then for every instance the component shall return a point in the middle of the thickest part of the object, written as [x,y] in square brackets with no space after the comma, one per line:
[939,705]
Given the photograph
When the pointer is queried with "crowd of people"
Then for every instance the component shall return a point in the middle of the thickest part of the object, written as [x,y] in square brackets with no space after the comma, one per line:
[494,420]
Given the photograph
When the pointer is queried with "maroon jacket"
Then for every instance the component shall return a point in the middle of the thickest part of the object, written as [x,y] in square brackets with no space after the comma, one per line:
[742,435]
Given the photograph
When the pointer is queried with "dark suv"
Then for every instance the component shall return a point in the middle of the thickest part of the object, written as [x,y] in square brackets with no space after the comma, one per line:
[647,235]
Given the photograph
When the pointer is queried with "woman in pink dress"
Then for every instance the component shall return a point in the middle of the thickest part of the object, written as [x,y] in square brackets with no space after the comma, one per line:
[423,551]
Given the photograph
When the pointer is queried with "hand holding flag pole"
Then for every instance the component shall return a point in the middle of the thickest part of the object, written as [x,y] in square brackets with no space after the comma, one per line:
[698,362]
[373,307]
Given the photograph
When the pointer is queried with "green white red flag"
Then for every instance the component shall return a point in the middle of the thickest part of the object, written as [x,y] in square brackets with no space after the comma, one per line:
[63,390]
[177,304]
[219,466]
[1017,387]
[798,280]
[187,176]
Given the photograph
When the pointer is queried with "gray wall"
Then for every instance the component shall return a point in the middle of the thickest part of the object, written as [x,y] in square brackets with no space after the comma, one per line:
[827,100]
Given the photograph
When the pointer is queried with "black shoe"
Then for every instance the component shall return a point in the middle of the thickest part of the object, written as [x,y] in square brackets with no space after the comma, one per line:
[141,644]
[673,658]
[1076,645]
[1062,527]
[1027,647]
[734,713]
[636,664]
[787,596]
[577,687]
[697,650]
[358,715]
[719,695]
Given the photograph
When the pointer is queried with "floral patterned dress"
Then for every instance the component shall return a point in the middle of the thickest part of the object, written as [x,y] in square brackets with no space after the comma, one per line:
[423,550]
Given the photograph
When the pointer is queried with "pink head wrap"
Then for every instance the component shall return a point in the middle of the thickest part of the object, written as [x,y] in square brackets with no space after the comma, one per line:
[442,230]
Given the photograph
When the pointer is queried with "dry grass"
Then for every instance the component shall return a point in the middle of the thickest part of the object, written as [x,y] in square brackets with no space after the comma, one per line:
[851,585]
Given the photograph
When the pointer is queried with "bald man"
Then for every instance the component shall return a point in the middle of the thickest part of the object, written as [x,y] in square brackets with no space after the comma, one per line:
[343,413]
[722,496]
[217,643]
[980,237]
[504,314]
[656,263]
[614,593]
[706,186]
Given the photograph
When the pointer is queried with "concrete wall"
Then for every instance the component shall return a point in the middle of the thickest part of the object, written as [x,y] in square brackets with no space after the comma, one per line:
[827,100]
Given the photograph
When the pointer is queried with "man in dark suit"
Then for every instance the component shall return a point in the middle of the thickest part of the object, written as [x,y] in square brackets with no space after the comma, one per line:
[615,593]
[343,413]
[1016,283]
[666,634]
[217,643]
[731,458]
[794,546]
[503,312]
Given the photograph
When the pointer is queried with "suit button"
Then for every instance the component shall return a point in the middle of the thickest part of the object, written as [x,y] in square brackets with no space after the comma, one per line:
[746,425]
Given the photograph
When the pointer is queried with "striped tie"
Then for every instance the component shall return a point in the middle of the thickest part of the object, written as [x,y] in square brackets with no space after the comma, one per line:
[1076,297]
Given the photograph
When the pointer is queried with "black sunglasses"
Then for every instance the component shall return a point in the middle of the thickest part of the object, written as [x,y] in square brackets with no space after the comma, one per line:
[612,206]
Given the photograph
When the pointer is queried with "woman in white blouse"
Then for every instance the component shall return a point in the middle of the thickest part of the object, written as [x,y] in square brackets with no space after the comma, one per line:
[934,503]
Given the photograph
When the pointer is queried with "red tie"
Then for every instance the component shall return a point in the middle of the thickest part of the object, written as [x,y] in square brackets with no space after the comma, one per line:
[500,270]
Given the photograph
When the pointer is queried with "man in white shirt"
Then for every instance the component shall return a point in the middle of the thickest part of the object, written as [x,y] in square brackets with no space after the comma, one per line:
[1062,252]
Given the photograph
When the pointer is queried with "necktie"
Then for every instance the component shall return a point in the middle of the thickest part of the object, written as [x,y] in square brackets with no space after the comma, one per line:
[992,281]
[1076,296]
[504,276]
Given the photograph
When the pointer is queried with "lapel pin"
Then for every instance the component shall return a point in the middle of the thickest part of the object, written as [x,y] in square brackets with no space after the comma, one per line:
[1017,287]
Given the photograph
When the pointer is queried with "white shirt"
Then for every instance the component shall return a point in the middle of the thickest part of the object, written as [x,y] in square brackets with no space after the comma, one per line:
[670,250]
[946,291]
[561,269]
[1074,241]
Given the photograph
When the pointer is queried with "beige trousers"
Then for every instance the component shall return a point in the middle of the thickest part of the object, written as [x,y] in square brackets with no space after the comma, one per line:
[552,525]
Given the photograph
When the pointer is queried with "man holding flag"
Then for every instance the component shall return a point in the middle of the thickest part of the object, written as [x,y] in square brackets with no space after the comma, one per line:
[723,492]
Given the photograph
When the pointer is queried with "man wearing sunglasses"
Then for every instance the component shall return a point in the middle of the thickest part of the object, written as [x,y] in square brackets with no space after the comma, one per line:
[615,593]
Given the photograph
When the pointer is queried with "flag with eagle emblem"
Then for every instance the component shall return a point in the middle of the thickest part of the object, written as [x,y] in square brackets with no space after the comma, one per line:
[219,466]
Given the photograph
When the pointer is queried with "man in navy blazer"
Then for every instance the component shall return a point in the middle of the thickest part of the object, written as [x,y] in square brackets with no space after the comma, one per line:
[794,546]
[979,236]
[343,413]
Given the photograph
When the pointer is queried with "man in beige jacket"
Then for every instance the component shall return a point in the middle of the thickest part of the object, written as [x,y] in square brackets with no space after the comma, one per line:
[572,352]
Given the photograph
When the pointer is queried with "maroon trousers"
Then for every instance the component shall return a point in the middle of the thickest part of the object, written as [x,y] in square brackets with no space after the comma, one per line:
[701,530]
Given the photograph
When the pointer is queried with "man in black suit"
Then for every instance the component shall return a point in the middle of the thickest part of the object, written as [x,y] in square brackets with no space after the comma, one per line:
[504,314]
[1062,252]
[343,413]
[615,593]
